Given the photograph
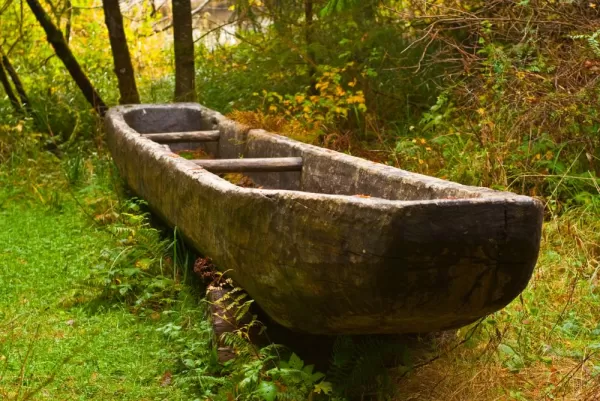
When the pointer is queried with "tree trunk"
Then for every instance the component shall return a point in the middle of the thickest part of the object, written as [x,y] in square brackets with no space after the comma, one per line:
[17,82]
[8,89]
[57,40]
[120,51]
[308,33]
[69,11]
[185,90]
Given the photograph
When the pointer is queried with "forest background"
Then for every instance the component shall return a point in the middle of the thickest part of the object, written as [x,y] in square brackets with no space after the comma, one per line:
[497,93]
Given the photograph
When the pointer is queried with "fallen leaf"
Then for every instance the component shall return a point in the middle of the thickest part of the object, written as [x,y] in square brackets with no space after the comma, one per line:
[166,379]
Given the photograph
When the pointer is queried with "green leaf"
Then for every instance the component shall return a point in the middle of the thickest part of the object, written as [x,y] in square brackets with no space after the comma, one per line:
[315,377]
[130,271]
[308,369]
[323,387]
[512,360]
[295,362]
[124,289]
[267,391]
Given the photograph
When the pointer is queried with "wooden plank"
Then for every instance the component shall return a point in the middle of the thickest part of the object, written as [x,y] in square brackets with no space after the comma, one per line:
[190,136]
[265,165]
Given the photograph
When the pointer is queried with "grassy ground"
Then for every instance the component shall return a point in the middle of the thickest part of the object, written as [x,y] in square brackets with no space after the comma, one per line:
[58,339]
[71,352]
[96,303]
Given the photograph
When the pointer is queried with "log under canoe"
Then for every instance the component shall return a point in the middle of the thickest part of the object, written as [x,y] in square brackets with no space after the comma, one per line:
[328,243]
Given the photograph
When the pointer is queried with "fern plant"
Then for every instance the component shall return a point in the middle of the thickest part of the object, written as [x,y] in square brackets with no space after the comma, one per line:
[592,41]
[266,377]
[139,270]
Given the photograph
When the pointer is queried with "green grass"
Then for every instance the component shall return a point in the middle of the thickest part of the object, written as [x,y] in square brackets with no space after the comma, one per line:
[70,348]
[95,303]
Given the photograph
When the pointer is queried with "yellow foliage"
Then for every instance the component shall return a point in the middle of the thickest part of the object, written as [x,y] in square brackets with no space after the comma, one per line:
[358,98]
[325,109]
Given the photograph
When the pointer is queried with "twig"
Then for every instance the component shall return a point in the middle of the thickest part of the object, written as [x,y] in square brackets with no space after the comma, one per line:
[5,6]
[169,25]
[562,313]
[438,356]
[570,374]
[215,29]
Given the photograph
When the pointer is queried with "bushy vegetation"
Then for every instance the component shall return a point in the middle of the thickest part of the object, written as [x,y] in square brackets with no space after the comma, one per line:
[61,337]
[98,304]
[501,94]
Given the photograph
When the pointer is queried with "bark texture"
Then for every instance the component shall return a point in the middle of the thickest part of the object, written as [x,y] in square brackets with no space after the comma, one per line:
[69,11]
[121,57]
[185,86]
[17,82]
[57,40]
[8,89]
[308,32]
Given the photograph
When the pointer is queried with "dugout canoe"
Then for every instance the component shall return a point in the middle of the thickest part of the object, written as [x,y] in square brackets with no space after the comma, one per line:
[328,243]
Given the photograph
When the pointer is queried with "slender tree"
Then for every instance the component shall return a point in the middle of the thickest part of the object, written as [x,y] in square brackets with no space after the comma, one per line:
[8,89]
[308,33]
[120,51]
[57,40]
[69,10]
[16,81]
[185,90]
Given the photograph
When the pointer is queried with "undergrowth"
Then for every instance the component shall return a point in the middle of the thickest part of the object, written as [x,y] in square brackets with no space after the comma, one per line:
[108,276]
[57,341]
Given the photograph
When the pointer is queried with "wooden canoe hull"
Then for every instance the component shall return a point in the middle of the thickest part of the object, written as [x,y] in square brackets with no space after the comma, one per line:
[420,255]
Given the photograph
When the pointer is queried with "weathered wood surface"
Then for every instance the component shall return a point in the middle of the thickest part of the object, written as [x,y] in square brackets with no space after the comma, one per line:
[410,254]
[262,165]
[190,136]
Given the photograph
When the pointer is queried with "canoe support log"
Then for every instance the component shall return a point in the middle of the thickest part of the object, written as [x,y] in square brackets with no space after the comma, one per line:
[190,136]
[258,165]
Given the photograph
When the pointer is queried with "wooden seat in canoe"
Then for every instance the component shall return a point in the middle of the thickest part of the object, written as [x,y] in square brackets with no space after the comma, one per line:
[189,136]
[258,165]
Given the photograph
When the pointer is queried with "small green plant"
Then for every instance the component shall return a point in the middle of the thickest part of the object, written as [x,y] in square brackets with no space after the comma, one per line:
[139,270]
[255,373]
[262,375]
[74,168]
[592,41]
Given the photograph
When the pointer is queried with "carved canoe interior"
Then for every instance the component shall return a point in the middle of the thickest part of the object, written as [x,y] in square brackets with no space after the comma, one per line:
[322,171]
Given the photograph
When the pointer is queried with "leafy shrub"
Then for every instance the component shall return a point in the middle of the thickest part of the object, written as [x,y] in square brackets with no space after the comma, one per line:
[138,271]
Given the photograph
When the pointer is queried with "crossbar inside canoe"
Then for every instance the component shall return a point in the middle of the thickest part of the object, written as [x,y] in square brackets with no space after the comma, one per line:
[189,136]
[258,165]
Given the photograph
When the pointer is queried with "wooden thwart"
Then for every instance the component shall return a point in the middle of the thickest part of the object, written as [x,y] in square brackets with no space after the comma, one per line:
[189,136]
[259,165]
